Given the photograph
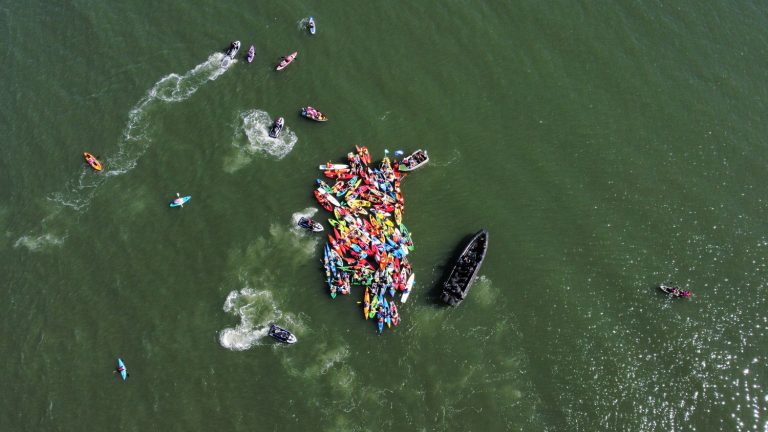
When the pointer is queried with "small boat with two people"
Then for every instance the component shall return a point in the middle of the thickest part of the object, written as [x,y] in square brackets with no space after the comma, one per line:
[277,127]
[675,291]
[417,159]
[251,54]
[313,114]
[311,26]
[281,334]
[285,61]
[230,54]
[92,161]
[465,269]
[310,225]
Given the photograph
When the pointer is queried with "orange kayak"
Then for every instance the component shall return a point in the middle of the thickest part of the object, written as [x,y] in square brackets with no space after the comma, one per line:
[366,303]
[92,161]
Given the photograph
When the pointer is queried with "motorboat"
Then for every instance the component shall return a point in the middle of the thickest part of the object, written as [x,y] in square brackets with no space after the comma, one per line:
[465,269]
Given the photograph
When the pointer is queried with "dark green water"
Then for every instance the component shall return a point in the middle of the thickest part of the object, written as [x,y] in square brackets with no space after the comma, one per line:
[606,147]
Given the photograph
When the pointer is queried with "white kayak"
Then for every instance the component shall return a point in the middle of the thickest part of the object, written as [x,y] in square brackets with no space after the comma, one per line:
[408,286]
[333,167]
[329,196]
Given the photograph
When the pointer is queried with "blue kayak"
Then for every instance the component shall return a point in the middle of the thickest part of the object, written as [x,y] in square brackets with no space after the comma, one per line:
[121,368]
[184,200]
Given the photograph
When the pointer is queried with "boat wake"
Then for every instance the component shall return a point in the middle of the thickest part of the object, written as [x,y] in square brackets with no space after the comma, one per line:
[136,137]
[302,24]
[252,135]
[455,157]
[256,309]
[36,243]
[170,89]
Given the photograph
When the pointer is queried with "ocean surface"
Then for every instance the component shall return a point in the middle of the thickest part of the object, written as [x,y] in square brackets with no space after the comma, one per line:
[606,146]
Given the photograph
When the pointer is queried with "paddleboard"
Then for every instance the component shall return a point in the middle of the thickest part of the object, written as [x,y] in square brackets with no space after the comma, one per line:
[183,201]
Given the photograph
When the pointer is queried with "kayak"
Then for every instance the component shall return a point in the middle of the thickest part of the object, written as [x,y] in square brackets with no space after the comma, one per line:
[328,196]
[251,53]
[395,314]
[313,114]
[92,161]
[180,201]
[366,303]
[332,167]
[122,369]
[311,26]
[285,61]
[408,286]
[675,291]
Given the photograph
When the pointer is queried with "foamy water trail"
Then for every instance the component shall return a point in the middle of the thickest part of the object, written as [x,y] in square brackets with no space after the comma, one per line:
[136,139]
[252,135]
[256,310]
[455,157]
[34,244]
[258,307]
[303,24]
[170,89]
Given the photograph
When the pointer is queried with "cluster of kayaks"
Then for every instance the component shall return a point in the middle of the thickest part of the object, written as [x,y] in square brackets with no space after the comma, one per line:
[369,243]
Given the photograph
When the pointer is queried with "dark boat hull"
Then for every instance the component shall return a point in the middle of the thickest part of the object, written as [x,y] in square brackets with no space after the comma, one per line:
[465,269]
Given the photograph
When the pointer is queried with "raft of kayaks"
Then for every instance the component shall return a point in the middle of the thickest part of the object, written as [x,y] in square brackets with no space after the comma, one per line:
[369,244]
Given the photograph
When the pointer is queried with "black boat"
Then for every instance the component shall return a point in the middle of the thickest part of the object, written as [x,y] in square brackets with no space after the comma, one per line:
[281,334]
[675,291]
[456,286]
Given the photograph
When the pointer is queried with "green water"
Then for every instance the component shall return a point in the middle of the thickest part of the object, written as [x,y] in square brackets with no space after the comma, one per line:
[606,148]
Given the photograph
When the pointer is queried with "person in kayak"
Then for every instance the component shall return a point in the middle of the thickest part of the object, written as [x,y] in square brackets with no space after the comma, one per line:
[120,369]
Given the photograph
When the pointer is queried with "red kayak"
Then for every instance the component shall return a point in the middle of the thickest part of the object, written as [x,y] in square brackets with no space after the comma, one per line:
[285,61]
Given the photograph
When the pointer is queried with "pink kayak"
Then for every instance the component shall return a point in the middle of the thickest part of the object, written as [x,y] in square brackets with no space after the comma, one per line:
[286,61]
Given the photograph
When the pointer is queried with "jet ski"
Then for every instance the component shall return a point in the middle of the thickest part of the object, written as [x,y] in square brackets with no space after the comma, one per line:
[230,54]
[281,334]
[233,49]
[277,127]
[310,225]
[251,53]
